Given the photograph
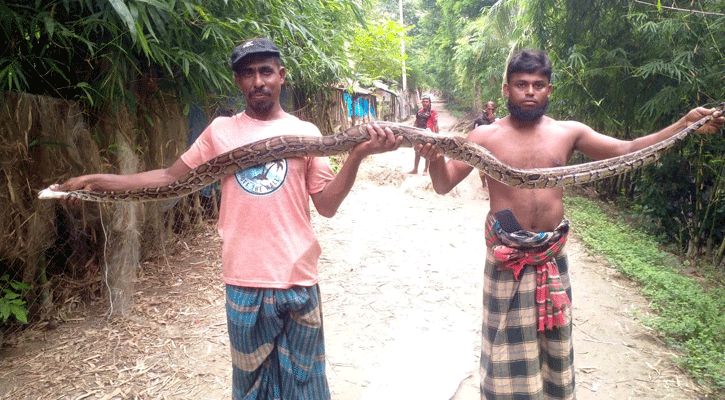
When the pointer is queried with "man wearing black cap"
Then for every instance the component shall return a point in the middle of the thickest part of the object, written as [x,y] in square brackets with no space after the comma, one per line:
[269,252]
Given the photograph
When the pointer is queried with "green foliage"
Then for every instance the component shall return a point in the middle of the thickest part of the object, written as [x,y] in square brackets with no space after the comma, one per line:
[440,28]
[691,317]
[629,69]
[376,50]
[693,183]
[624,68]
[98,52]
[11,301]
[482,51]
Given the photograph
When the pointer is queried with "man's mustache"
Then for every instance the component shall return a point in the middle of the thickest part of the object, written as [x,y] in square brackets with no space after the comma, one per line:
[260,91]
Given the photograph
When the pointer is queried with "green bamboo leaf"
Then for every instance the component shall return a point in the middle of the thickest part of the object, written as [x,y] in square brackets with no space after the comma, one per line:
[87,91]
[49,25]
[168,7]
[147,23]
[144,43]
[125,14]
[159,21]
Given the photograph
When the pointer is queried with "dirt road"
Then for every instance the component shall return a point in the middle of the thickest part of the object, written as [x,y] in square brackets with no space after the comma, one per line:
[401,283]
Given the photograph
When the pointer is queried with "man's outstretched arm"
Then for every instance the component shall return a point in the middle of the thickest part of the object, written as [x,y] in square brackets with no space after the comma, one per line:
[106,182]
[599,146]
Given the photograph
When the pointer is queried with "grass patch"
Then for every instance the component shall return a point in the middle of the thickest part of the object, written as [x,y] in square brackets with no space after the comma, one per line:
[690,317]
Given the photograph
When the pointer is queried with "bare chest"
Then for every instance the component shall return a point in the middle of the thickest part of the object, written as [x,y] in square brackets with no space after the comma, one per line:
[532,151]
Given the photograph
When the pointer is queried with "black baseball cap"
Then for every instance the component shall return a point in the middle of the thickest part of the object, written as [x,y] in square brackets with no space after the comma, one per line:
[253,46]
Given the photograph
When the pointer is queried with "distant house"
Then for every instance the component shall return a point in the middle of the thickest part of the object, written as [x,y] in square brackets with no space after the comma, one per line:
[391,106]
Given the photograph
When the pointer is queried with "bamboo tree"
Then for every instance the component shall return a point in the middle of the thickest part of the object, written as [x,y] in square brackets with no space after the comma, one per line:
[92,51]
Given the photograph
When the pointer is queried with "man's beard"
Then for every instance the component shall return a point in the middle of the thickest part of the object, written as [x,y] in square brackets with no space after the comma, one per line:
[260,106]
[528,115]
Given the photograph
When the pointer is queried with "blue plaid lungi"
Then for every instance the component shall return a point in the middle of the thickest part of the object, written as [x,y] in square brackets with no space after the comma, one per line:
[277,343]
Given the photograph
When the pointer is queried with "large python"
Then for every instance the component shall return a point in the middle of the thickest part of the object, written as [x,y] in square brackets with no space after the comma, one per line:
[454,147]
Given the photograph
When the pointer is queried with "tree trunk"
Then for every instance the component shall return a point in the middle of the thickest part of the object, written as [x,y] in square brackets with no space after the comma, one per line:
[693,247]
[719,259]
[123,245]
[39,224]
[123,258]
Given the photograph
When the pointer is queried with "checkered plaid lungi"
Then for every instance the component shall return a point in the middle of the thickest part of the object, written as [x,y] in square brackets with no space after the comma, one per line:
[277,343]
[517,360]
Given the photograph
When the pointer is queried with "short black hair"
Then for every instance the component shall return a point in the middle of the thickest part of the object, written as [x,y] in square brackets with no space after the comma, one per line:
[529,61]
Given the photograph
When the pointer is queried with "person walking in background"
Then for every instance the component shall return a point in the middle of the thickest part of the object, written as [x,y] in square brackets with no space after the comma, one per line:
[425,118]
[487,117]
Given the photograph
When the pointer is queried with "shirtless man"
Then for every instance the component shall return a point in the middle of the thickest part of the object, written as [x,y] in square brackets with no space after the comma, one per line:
[527,349]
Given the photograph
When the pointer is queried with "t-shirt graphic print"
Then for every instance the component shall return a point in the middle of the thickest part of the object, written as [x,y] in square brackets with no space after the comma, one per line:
[263,179]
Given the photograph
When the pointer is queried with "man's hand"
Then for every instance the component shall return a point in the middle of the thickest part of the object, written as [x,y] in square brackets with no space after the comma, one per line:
[84,182]
[428,151]
[715,124]
[381,141]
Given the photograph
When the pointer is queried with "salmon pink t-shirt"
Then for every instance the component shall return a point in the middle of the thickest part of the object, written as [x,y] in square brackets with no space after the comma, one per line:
[264,220]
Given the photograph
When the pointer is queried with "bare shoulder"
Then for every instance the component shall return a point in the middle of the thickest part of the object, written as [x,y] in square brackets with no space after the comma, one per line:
[484,133]
[546,129]
[563,132]
[575,128]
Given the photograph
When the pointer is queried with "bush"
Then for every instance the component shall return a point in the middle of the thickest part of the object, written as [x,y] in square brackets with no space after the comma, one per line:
[11,302]
[691,317]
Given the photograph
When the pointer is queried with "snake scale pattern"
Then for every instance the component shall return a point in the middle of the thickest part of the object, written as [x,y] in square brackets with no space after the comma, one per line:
[453,147]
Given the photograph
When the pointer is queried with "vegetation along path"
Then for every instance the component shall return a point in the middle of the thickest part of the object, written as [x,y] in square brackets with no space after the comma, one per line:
[401,282]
